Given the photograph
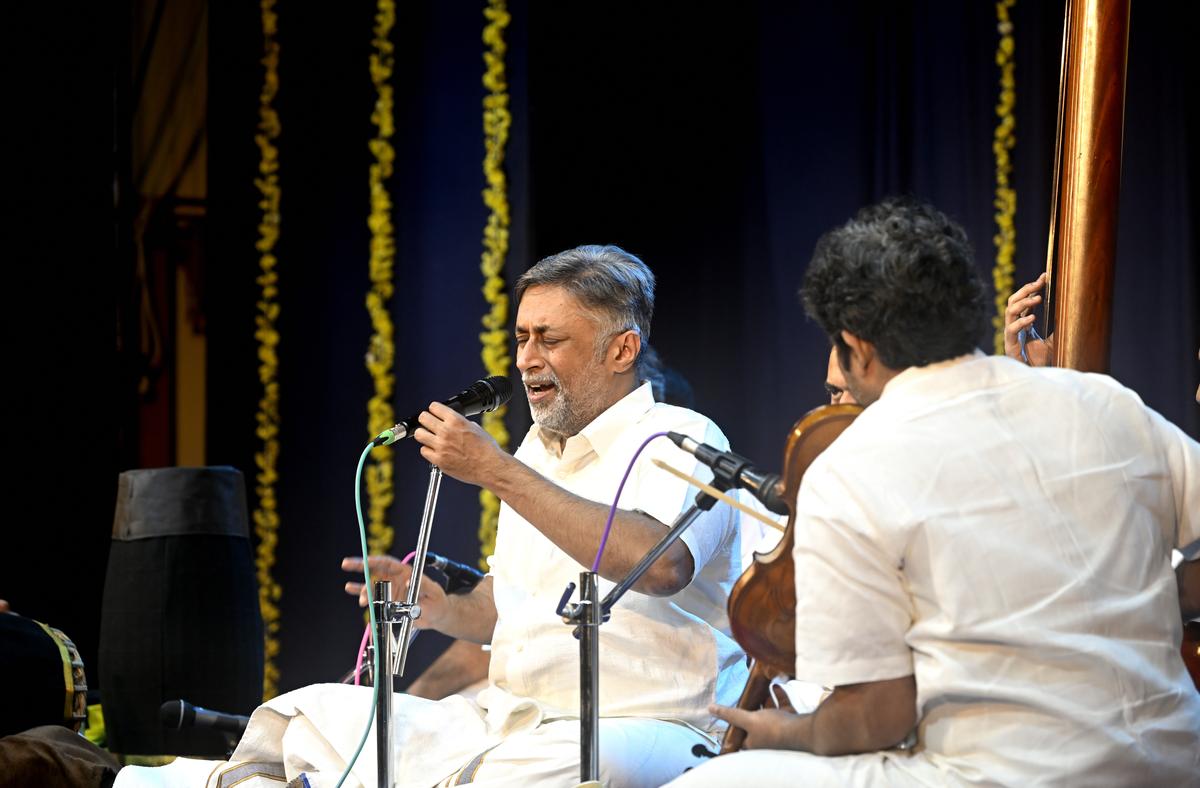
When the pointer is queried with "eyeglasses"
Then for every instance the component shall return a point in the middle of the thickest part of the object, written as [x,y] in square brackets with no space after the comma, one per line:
[833,391]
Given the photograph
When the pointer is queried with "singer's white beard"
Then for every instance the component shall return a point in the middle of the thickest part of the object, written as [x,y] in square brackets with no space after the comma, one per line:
[567,412]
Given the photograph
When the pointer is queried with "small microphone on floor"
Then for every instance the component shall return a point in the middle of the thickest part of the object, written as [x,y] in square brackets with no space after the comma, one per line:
[181,714]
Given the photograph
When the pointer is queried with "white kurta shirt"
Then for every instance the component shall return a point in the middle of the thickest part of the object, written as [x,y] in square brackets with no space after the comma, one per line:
[1004,534]
[660,657]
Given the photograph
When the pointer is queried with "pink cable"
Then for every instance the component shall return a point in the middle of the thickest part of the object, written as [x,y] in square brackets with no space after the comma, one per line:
[362,644]
[362,647]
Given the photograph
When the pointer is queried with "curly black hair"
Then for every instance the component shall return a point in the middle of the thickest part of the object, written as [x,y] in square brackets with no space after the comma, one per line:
[901,276]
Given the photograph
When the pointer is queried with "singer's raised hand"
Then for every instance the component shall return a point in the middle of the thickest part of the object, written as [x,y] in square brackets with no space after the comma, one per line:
[385,567]
[461,448]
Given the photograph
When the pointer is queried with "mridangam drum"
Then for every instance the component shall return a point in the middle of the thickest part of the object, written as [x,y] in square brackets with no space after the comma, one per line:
[42,679]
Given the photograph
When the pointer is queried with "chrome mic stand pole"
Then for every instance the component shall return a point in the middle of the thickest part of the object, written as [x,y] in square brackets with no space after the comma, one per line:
[410,610]
[383,681]
[589,677]
[394,654]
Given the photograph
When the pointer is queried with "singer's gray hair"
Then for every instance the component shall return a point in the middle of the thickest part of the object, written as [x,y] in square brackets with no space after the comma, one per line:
[613,284]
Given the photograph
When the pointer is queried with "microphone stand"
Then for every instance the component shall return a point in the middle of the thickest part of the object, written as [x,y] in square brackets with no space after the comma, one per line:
[392,659]
[590,612]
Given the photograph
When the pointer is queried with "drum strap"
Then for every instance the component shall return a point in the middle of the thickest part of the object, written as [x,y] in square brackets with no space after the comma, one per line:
[68,678]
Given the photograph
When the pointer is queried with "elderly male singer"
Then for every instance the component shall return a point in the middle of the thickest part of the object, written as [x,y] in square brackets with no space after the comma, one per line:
[582,322]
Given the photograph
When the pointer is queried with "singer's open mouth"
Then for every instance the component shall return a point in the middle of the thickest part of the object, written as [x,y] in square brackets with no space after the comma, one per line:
[538,391]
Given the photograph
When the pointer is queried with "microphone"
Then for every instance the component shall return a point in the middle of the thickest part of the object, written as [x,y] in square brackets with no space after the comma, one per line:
[459,577]
[736,470]
[181,714]
[480,397]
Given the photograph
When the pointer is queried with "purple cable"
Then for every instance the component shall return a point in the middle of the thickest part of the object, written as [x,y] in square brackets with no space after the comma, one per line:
[613,510]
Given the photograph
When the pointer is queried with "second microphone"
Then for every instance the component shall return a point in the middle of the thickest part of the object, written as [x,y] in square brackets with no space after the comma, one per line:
[736,470]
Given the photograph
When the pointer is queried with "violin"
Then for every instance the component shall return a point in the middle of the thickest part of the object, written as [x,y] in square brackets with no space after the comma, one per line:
[762,603]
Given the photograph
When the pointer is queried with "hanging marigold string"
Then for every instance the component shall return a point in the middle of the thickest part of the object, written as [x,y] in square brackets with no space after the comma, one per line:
[1005,201]
[266,459]
[382,349]
[496,122]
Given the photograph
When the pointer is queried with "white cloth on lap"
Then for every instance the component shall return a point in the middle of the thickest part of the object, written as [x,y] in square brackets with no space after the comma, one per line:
[315,730]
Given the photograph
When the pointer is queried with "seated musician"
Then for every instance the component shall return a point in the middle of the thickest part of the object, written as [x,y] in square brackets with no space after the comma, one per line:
[983,555]
[462,668]
[583,317]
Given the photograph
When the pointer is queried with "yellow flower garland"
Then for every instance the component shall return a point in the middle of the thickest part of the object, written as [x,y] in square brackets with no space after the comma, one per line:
[1005,201]
[382,350]
[496,122]
[266,515]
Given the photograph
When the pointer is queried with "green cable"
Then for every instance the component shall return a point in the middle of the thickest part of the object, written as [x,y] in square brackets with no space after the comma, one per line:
[362,533]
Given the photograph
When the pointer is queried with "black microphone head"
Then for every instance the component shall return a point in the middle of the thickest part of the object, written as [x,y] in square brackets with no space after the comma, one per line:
[771,495]
[176,714]
[500,391]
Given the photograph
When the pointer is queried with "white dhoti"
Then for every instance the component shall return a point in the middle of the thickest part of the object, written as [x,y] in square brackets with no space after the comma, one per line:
[309,735]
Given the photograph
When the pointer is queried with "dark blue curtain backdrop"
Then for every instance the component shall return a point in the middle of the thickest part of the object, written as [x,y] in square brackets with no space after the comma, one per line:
[718,141]
[63,378]
[717,144]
